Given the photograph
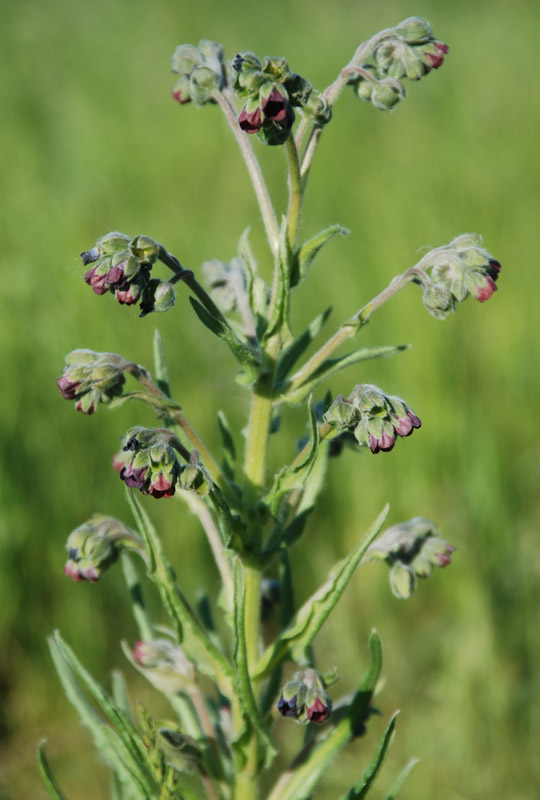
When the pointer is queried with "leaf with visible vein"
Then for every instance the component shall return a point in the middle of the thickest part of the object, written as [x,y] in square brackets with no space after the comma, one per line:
[369,776]
[309,250]
[292,353]
[312,615]
[47,777]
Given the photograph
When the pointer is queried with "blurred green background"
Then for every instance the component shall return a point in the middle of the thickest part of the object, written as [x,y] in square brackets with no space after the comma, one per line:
[91,142]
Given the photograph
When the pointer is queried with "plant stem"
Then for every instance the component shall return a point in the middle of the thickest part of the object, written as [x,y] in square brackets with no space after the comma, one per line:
[333,91]
[254,169]
[353,325]
[294,212]
[260,419]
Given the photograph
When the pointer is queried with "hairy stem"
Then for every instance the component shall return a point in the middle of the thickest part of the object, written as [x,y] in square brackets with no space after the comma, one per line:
[294,212]
[254,169]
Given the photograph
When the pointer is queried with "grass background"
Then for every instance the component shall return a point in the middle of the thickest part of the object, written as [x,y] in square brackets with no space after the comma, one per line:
[90,141]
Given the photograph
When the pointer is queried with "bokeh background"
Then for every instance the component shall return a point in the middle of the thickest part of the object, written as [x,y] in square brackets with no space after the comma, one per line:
[91,141]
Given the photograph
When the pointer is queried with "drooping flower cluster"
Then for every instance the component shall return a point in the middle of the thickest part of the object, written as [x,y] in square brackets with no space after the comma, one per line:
[412,549]
[201,70]
[305,698]
[272,92]
[459,269]
[410,51]
[148,461]
[91,378]
[122,265]
[95,545]
[373,417]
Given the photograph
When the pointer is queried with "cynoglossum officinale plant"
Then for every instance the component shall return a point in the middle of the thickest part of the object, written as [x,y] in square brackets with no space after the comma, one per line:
[228,691]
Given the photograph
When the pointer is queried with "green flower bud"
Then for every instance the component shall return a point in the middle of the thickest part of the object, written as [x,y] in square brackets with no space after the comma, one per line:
[201,70]
[341,414]
[113,242]
[181,751]
[414,30]
[157,295]
[95,545]
[439,300]
[203,83]
[402,581]
[387,94]
[318,108]
[299,90]
[91,378]
[194,477]
[145,249]
[185,58]
[165,665]
[277,68]
[148,461]
[305,698]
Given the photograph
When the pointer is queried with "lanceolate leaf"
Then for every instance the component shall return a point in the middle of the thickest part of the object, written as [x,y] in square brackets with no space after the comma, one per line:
[256,287]
[296,393]
[141,786]
[242,351]
[291,355]
[196,642]
[312,615]
[229,450]
[47,777]
[295,476]
[400,780]
[309,250]
[359,790]
[279,313]
[160,365]
[243,686]
[299,782]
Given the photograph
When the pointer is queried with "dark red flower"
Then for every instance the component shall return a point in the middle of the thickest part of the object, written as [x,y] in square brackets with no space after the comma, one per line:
[436,59]
[250,121]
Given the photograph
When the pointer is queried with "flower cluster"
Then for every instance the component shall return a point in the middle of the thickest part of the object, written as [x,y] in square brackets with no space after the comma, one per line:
[305,698]
[272,92]
[411,51]
[201,70]
[459,269]
[373,417]
[412,549]
[122,265]
[95,545]
[148,461]
[91,378]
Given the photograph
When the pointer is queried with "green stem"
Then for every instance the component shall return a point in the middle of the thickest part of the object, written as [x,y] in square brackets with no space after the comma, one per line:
[333,91]
[353,325]
[294,212]
[260,419]
[254,169]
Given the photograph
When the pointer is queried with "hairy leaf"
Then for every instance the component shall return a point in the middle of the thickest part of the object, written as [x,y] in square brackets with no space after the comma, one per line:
[309,250]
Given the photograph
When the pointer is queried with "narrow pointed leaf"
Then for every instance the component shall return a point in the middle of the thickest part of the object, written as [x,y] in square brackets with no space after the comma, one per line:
[297,392]
[243,685]
[359,790]
[312,615]
[257,289]
[48,779]
[298,347]
[279,317]
[196,642]
[242,351]
[140,613]
[309,250]
[295,476]
[161,406]
[229,450]
[401,778]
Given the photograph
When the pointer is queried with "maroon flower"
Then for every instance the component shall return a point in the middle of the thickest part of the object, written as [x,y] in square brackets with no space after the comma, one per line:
[288,708]
[162,487]
[385,442]
[317,711]
[483,293]
[276,107]
[404,426]
[67,388]
[134,477]
[250,121]
[436,59]
[96,281]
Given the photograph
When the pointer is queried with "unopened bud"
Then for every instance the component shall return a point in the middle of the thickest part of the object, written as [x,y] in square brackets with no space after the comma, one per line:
[305,698]
[414,30]
[95,545]
[387,94]
[157,295]
[165,665]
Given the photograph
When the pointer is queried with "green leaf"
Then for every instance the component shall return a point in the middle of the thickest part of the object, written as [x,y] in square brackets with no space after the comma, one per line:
[315,611]
[279,313]
[140,788]
[313,761]
[140,613]
[160,365]
[400,780]
[116,716]
[293,352]
[295,475]
[257,289]
[359,790]
[161,406]
[229,450]
[241,350]
[332,366]
[196,642]
[242,683]
[309,250]
[47,777]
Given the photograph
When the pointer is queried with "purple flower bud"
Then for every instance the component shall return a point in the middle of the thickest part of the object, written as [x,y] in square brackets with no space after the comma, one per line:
[436,59]
[385,442]
[305,698]
[96,281]
[318,711]
[68,388]
[288,708]
[404,426]
[89,256]
[250,122]
[135,478]
[276,107]
[161,487]
[95,545]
